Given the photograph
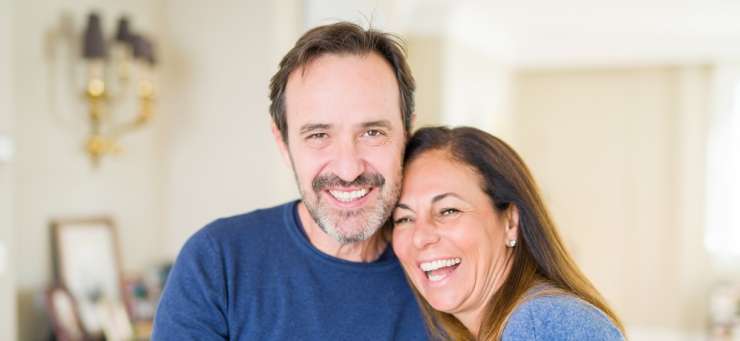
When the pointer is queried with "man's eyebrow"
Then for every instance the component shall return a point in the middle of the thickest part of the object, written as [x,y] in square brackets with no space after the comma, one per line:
[379,123]
[309,127]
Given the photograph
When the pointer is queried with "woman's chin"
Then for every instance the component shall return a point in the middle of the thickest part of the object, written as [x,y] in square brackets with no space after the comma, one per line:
[444,301]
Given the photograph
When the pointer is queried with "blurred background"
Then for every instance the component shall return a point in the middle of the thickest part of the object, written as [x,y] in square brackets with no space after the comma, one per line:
[627,113]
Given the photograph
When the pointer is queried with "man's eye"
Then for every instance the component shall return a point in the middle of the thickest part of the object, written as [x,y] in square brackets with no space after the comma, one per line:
[317,136]
[374,133]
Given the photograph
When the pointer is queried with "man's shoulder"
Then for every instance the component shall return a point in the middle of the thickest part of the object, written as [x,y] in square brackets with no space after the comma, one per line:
[249,227]
[252,219]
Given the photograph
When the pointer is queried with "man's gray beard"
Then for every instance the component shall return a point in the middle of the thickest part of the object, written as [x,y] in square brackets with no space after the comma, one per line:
[375,216]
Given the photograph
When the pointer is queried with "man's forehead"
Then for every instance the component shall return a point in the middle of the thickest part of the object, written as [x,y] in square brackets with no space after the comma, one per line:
[353,89]
[365,67]
[338,60]
[313,126]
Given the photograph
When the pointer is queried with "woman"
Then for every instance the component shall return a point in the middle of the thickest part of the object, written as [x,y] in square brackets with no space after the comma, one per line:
[480,249]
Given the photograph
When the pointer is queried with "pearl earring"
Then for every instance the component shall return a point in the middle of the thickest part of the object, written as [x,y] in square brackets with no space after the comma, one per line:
[511,243]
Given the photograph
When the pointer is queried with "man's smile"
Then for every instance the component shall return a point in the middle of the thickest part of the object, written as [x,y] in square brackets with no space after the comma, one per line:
[349,195]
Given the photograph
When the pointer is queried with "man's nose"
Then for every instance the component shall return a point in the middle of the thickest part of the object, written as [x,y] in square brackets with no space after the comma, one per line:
[425,234]
[349,163]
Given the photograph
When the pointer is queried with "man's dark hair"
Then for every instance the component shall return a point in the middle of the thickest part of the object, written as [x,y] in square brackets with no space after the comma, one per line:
[342,38]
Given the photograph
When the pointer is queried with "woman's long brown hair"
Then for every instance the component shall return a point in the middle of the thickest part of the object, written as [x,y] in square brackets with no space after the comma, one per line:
[540,256]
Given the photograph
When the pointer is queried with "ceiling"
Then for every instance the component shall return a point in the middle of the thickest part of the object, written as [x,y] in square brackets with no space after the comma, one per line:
[593,32]
[560,33]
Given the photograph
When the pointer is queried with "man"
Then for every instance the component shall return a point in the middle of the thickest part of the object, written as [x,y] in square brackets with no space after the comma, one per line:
[319,268]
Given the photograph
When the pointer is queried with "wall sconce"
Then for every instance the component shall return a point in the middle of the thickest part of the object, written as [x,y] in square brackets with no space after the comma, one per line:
[109,82]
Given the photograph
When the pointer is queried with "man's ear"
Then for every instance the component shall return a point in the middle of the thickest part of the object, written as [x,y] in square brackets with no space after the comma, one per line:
[282,146]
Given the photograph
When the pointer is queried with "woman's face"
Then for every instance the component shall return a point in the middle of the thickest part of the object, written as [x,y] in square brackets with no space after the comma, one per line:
[450,239]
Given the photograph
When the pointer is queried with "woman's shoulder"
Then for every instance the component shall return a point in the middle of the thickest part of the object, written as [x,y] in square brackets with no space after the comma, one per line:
[559,317]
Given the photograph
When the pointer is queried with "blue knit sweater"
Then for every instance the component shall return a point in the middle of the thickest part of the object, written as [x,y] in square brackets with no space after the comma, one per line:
[561,318]
[257,277]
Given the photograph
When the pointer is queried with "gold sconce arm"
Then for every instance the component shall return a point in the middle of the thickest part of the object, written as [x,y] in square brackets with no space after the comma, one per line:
[132,52]
[100,143]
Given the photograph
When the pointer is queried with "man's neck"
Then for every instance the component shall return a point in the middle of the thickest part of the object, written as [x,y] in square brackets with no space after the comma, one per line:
[364,251]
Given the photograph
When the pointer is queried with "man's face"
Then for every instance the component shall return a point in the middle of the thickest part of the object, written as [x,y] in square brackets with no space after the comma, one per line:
[345,142]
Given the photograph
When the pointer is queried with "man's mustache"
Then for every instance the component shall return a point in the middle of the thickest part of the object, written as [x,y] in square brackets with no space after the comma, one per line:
[325,181]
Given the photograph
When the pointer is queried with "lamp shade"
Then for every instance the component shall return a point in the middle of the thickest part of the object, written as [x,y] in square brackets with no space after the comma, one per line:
[137,42]
[143,49]
[150,55]
[93,46]
[123,32]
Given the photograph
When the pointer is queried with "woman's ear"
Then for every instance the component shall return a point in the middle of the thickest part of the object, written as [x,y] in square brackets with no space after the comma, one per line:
[512,225]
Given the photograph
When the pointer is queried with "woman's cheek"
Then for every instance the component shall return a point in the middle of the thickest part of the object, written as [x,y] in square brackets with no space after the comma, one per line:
[400,243]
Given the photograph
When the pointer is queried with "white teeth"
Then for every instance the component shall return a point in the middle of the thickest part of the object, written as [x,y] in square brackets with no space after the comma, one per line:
[344,196]
[438,264]
[435,278]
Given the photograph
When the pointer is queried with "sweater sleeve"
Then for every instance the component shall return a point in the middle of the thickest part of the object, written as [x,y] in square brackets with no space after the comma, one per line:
[559,318]
[193,304]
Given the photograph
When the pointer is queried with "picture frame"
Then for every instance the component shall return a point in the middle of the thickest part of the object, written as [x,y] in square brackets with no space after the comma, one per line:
[87,265]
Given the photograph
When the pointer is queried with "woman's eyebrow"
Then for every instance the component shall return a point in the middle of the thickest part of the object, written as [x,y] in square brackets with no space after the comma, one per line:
[436,198]
[403,206]
[439,197]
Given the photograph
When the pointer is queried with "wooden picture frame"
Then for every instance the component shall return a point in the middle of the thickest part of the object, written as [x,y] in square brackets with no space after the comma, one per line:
[87,265]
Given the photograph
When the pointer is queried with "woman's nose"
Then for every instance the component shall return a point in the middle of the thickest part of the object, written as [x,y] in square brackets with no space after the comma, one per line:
[425,234]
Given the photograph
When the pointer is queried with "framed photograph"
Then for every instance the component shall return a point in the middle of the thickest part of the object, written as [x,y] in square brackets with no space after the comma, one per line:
[87,266]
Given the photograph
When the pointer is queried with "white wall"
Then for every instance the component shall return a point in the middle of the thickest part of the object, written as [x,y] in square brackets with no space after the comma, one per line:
[477,90]
[426,59]
[619,154]
[53,177]
[220,158]
[7,268]
[377,13]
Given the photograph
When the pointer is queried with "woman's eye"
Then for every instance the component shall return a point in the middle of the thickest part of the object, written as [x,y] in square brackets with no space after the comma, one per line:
[448,211]
[402,220]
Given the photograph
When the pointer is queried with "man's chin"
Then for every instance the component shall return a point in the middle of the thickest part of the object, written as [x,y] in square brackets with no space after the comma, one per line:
[348,225]
[355,229]
[347,230]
